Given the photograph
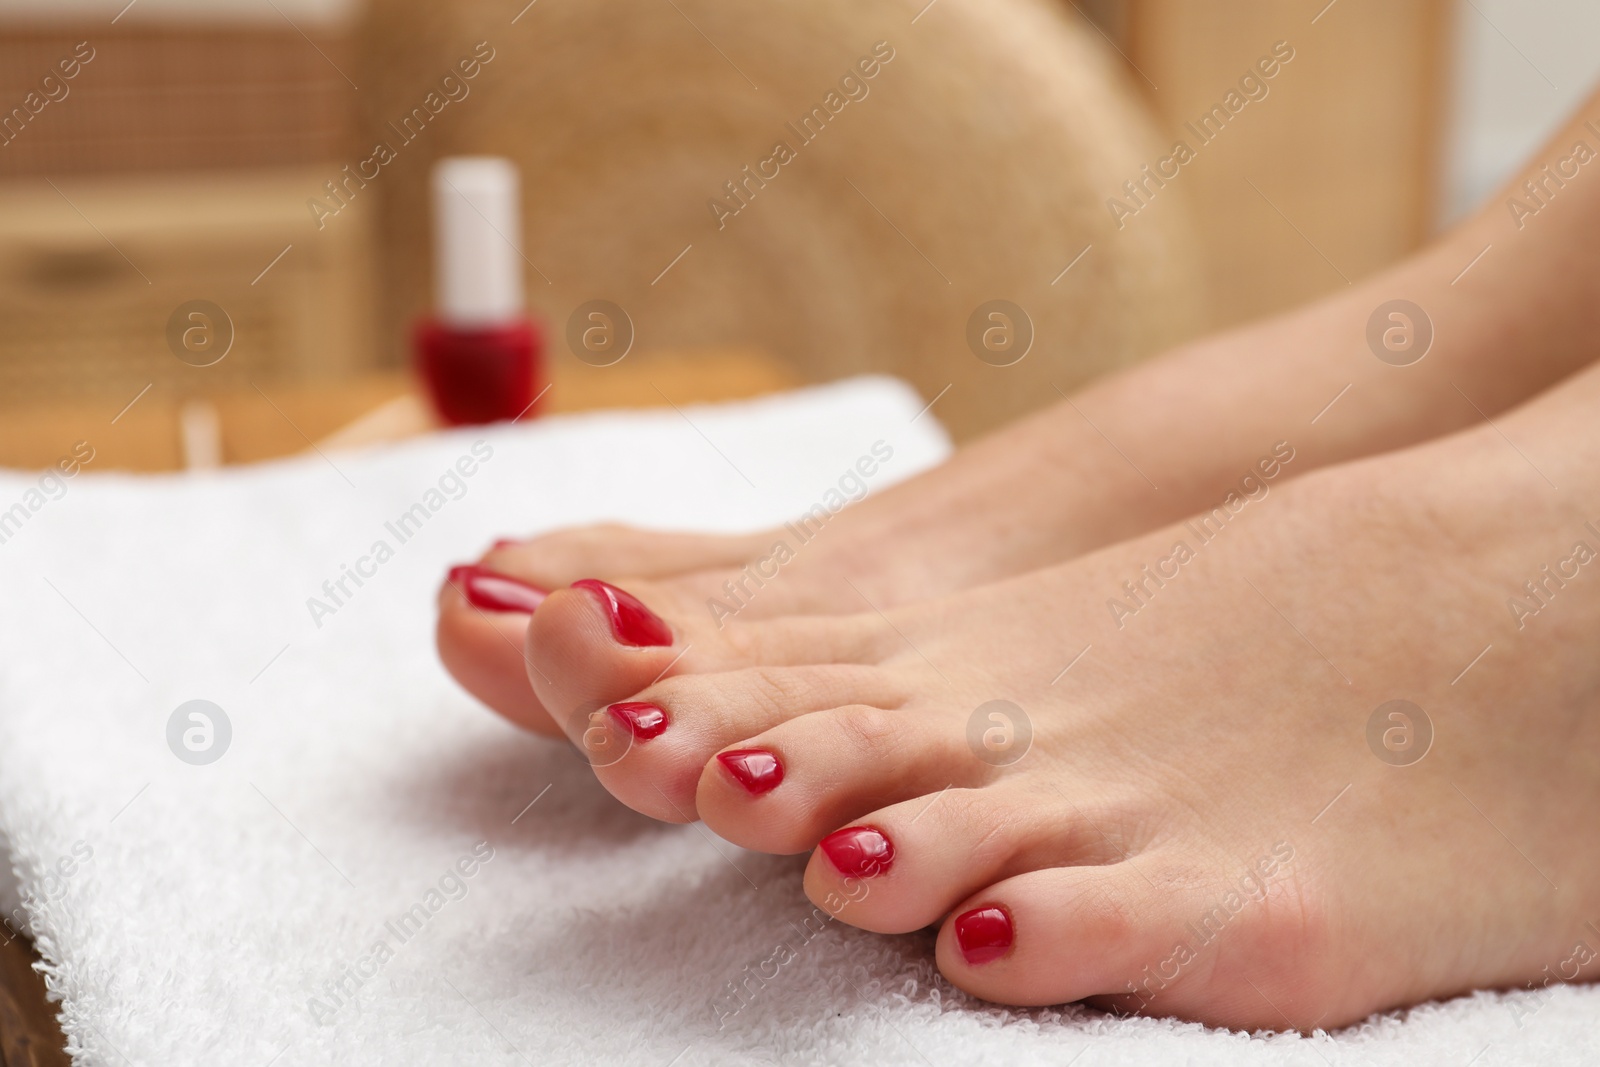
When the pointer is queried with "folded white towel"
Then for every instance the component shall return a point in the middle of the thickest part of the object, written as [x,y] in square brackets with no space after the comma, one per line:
[376,870]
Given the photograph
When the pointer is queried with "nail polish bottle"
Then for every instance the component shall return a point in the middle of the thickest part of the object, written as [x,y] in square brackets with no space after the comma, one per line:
[480,356]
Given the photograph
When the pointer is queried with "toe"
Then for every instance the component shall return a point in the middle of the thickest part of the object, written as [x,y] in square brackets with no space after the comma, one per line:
[660,739]
[780,791]
[595,644]
[1069,933]
[483,607]
[908,865]
[555,560]
[479,634]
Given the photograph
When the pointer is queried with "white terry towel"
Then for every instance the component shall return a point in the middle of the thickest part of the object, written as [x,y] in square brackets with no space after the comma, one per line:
[378,871]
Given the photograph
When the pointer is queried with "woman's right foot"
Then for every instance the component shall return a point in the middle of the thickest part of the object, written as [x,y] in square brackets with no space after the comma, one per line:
[1223,811]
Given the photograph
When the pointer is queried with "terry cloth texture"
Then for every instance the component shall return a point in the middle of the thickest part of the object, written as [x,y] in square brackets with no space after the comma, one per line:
[376,870]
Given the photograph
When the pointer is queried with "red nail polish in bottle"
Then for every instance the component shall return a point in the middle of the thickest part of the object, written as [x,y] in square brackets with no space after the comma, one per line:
[480,356]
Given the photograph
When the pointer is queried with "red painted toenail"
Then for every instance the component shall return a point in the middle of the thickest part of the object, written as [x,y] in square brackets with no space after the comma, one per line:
[485,589]
[984,934]
[756,769]
[631,622]
[643,721]
[859,851]
[506,542]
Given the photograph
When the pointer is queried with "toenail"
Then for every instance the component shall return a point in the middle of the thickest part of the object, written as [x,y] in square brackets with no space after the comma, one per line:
[643,721]
[984,934]
[631,622]
[858,851]
[506,542]
[756,769]
[485,589]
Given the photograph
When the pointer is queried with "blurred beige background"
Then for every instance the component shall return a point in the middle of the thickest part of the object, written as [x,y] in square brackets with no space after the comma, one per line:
[180,161]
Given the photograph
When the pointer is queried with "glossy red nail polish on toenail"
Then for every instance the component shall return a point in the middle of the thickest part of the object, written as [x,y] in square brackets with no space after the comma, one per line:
[505,542]
[756,769]
[631,622]
[643,721]
[984,934]
[858,851]
[485,589]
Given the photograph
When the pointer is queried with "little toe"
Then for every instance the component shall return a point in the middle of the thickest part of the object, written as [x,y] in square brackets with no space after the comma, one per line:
[483,606]
[780,791]
[658,741]
[1070,933]
[906,866]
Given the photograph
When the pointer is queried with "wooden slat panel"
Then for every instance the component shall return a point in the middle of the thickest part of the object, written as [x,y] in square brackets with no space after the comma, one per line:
[1344,149]
[174,98]
[92,268]
[282,416]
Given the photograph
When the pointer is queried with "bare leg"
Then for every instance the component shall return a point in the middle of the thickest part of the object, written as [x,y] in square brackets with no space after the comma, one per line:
[1135,451]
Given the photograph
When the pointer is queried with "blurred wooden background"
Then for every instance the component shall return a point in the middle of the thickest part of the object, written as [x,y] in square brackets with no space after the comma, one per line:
[176,95]
[1335,173]
[180,163]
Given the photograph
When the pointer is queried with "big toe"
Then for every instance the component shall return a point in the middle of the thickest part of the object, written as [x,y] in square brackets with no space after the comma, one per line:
[483,615]
[1164,933]
[592,644]
[484,606]
[1071,933]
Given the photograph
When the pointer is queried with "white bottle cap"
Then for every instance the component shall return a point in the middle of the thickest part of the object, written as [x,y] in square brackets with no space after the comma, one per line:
[477,234]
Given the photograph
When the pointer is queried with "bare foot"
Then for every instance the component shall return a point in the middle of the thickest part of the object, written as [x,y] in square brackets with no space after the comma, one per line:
[890,548]
[1199,798]
[1198,422]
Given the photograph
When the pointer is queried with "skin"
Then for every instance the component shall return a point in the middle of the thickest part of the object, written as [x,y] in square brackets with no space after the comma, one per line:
[1214,729]
[1187,422]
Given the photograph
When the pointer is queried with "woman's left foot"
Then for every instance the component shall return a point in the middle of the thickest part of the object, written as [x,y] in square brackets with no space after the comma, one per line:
[1285,765]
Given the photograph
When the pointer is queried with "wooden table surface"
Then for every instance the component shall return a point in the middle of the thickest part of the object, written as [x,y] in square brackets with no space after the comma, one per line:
[280,422]
[272,419]
[29,1034]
